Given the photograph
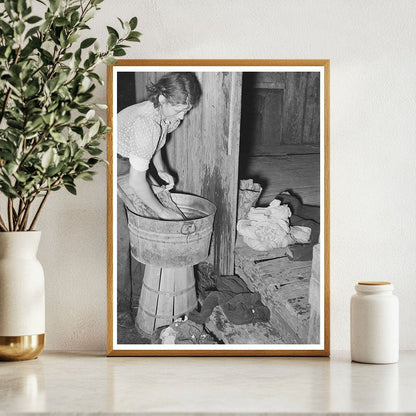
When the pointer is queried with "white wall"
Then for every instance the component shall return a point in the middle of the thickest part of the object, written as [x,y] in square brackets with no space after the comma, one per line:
[371,45]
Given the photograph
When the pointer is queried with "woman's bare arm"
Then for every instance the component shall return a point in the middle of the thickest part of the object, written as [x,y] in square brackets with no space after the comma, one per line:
[138,182]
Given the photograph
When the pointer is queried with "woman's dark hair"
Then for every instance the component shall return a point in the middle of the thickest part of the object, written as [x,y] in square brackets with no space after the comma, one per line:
[177,87]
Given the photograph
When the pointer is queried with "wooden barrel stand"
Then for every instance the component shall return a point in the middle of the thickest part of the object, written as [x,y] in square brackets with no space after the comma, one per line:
[169,250]
[167,294]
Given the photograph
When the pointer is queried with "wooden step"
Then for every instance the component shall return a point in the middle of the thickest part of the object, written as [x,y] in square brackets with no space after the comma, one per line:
[284,287]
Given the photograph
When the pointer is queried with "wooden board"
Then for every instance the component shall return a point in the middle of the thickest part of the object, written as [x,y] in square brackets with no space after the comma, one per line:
[279,108]
[145,319]
[311,121]
[261,121]
[165,301]
[203,152]
[283,286]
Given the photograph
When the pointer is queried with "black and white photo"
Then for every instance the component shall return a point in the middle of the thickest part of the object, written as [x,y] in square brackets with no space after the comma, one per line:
[219,208]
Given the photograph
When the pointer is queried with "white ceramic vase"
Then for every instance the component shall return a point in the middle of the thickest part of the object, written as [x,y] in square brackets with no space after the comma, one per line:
[22,296]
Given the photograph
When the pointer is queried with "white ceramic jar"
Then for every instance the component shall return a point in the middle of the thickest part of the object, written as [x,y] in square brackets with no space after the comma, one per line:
[374,323]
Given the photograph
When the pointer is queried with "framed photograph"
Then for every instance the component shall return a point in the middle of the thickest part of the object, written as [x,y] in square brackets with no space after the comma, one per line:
[218,208]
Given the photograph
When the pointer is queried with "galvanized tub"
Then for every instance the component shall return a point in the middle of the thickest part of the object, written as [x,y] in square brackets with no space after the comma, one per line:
[177,243]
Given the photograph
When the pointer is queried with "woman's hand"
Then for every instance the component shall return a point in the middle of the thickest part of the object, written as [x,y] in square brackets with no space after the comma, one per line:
[168,178]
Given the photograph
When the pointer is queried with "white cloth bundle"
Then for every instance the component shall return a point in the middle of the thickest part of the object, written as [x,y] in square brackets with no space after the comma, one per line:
[268,228]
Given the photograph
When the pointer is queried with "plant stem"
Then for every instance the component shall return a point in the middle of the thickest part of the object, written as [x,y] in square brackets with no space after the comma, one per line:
[32,149]
[2,224]
[17,216]
[26,216]
[10,214]
[3,109]
[39,210]
[20,216]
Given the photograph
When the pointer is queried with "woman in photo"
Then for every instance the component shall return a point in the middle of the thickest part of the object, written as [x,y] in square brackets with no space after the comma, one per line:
[141,134]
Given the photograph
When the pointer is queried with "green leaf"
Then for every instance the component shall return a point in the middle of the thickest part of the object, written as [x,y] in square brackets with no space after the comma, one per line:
[20,28]
[86,176]
[110,60]
[33,19]
[71,189]
[94,129]
[46,56]
[94,151]
[11,168]
[36,125]
[74,18]
[119,52]
[135,34]
[63,41]
[68,55]
[67,153]
[78,154]
[82,98]
[121,23]
[31,90]
[27,11]
[53,84]
[89,15]
[21,5]
[52,171]
[134,37]
[21,177]
[54,4]
[87,42]
[10,8]
[58,137]
[112,31]
[93,161]
[48,118]
[8,191]
[133,23]
[112,40]
[90,114]
[5,28]
[61,21]
[32,31]
[73,38]
[47,158]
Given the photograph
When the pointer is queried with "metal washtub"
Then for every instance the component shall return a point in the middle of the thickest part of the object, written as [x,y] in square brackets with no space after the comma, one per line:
[177,243]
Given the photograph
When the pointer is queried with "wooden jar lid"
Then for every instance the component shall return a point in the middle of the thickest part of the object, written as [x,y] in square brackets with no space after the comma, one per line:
[374,283]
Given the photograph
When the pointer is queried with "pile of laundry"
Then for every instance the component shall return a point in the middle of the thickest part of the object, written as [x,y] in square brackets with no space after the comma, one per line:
[240,305]
[268,228]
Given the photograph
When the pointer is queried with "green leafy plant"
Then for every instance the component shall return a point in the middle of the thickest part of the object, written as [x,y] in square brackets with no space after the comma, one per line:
[50,134]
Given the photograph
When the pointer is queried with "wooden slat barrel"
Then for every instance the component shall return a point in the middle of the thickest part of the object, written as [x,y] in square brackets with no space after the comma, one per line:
[167,294]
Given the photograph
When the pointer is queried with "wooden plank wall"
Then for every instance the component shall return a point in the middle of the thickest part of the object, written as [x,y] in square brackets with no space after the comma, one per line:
[287,101]
[203,152]
[280,133]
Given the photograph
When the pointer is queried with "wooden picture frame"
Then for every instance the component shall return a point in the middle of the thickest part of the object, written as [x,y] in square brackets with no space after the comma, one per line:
[256,119]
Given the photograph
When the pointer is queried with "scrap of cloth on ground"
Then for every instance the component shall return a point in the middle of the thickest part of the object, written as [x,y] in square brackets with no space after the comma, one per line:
[239,304]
